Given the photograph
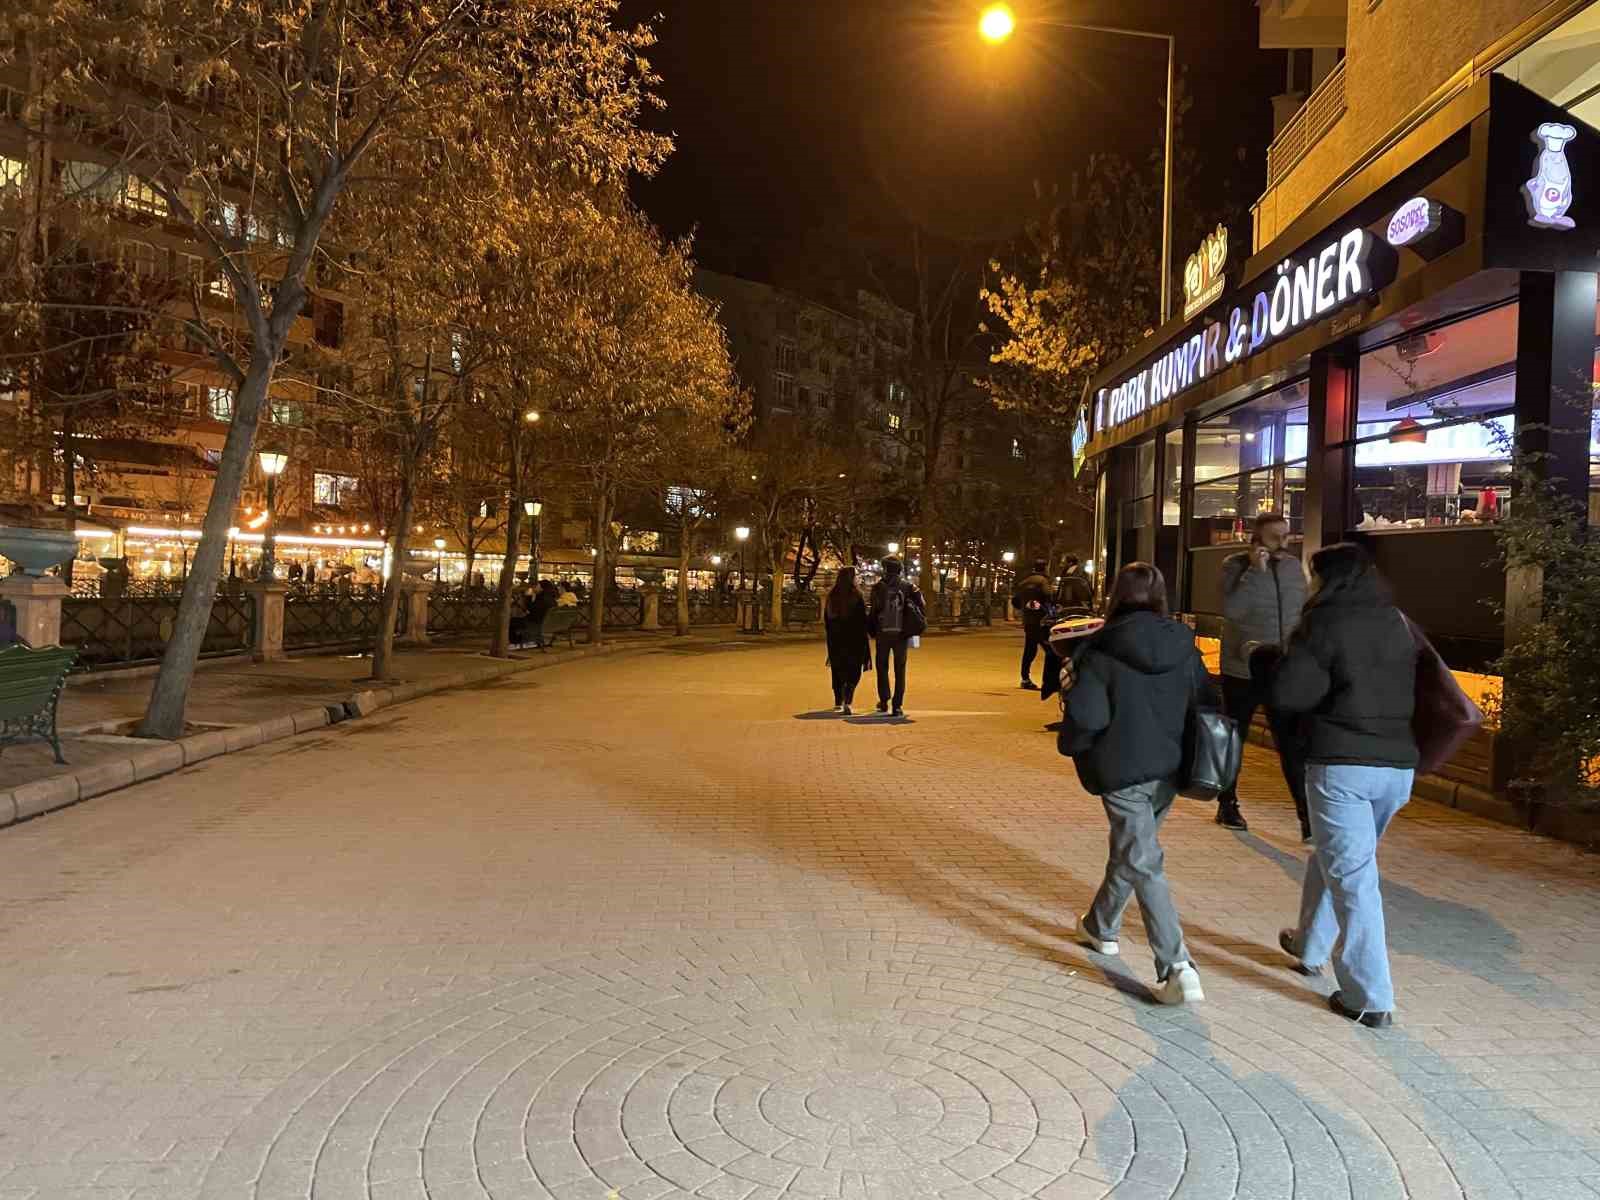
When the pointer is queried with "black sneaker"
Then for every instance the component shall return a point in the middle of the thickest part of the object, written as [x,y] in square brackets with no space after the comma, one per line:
[1372,1020]
[1029,685]
[883,706]
[1286,943]
[899,712]
[1229,817]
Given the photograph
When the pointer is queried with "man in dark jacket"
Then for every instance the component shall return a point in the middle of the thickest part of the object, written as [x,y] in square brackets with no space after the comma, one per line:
[1263,593]
[1076,590]
[1033,599]
[895,614]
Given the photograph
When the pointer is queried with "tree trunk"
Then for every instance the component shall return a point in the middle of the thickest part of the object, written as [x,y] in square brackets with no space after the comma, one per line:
[929,524]
[168,698]
[602,560]
[777,548]
[500,642]
[393,588]
[685,550]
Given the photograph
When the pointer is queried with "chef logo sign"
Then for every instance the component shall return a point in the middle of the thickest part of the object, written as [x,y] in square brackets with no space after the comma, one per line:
[1304,289]
[1204,275]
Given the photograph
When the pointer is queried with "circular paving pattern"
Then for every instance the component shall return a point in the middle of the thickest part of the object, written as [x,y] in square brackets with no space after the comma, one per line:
[842,1067]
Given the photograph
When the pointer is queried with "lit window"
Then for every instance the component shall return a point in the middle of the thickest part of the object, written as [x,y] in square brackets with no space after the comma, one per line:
[286,412]
[1016,448]
[894,420]
[333,491]
[12,173]
[141,258]
[458,345]
[219,284]
[139,195]
[90,181]
[785,390]
[219,403]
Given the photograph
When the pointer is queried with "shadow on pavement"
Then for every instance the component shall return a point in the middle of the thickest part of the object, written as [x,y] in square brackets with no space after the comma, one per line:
[1440,931]
[824,714]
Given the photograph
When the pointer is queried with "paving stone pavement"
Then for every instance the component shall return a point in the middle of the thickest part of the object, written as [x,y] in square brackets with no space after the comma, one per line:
[651,928]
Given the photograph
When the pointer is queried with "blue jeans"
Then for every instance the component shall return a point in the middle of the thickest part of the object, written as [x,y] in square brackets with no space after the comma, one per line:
[1350,808]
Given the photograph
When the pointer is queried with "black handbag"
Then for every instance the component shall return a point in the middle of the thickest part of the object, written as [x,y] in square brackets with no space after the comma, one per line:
[1213,752]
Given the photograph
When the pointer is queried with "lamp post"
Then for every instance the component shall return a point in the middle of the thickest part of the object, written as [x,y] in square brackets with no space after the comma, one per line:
[438,559]
[894,548]
[743,535]
[998,23]
[532,508]
[272,465]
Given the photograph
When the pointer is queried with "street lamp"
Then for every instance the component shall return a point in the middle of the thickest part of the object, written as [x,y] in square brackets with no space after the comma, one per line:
[438,556]
[743,535]
[894,547]
[533,508]
[272,465]
[998,23]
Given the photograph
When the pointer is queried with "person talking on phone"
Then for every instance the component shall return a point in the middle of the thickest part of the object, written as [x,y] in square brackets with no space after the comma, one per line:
[1263,595]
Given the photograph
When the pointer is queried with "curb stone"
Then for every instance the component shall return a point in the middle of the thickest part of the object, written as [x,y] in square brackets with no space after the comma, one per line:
[163,758]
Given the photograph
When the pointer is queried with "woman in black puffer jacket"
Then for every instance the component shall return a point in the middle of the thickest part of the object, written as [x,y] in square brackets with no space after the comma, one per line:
[1123,724]
[1351,667]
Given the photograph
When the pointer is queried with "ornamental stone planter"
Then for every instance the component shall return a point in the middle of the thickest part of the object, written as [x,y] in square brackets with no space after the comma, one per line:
[35,551]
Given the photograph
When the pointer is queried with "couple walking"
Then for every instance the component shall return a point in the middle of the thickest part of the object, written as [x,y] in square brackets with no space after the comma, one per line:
[1347,674]
[892,616]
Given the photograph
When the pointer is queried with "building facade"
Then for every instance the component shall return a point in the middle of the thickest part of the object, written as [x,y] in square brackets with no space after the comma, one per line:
[1421,299]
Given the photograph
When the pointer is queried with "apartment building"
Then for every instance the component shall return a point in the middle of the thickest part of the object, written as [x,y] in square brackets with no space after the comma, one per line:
[1420,297]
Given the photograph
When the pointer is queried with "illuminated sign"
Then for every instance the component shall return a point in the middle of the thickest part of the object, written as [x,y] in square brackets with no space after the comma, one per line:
[1204,274]
[1416,219]
[1080,441]
[1303,290]
[1548,194]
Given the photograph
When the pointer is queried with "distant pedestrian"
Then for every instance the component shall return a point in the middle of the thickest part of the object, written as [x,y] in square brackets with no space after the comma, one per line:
[1351,666]
[895,615]
[849,649]
[1034,598]
[1124,723]
[568,597]
[1263,592]
[1075,593]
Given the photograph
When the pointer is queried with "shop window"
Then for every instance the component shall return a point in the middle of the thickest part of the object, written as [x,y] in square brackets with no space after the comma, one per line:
[1434,425]
[1172,478]
[13,171]
[1244,459]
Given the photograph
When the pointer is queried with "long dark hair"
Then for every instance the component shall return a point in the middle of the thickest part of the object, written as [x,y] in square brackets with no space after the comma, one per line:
[1345,571]
[843,593]
[1139,587]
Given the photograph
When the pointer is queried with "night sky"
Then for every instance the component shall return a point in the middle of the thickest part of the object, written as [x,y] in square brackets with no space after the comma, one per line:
[800,120]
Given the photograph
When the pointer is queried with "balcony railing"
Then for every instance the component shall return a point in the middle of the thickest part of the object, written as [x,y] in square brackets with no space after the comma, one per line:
[1305,129]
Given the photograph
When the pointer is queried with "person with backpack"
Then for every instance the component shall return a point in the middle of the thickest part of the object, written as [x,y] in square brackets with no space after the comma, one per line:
[844,617]
[1351,667]
[1075,594]
[1124,725]
[895,615]
[1034,599]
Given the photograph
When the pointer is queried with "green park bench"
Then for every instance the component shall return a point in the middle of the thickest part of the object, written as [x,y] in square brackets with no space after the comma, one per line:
[30,689]
[560,622]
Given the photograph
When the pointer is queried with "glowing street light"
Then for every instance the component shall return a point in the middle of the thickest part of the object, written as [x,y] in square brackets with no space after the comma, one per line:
[997,23]
[1009,557]
[438,566]
[272,465]
[894,547]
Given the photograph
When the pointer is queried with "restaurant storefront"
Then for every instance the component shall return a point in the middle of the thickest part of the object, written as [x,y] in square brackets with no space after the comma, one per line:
[1373,370]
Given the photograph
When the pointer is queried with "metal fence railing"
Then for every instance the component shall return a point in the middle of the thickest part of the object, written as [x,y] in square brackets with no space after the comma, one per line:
[458,613]
[710,612]
[322,618]
[1305,129]
[134,630]
[801,609]
[624,611]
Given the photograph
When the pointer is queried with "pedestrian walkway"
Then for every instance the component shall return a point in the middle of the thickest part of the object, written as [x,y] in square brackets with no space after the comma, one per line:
[658,927]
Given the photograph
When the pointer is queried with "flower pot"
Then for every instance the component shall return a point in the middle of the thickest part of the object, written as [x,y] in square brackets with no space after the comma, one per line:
[35,551]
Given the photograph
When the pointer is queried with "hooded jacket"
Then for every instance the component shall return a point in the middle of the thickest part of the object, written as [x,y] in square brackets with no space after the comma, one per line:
[1126,714]
[1352,667]
[1032,597]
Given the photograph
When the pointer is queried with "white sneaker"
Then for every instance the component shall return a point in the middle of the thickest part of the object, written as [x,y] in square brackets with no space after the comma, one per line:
[1182,986]
[1109,949]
